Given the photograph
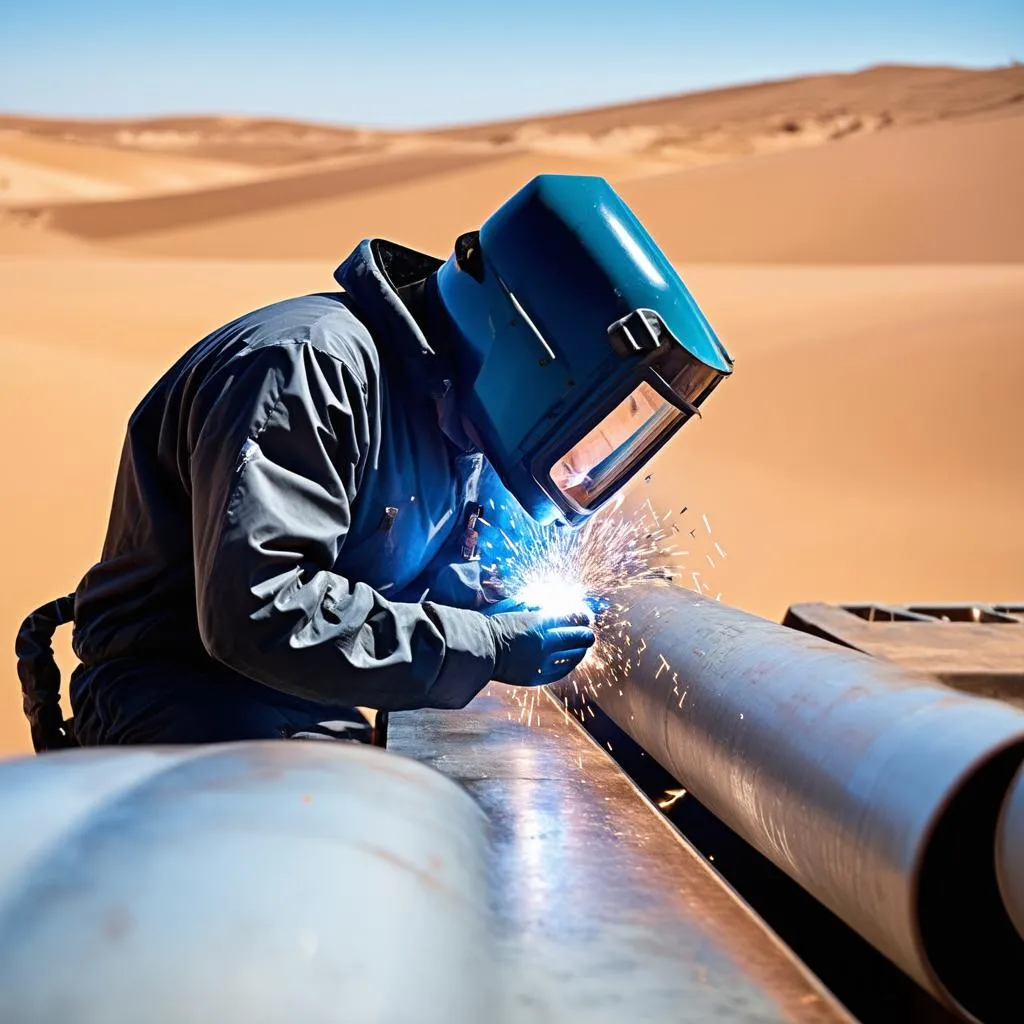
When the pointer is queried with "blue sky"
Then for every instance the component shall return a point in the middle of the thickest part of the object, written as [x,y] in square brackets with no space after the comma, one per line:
[398,62]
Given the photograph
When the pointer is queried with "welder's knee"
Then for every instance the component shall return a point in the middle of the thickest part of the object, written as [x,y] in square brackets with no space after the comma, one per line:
[129,702]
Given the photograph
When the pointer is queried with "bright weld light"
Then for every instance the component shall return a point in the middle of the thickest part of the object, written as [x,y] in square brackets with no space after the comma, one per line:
[559,569]
[554,595]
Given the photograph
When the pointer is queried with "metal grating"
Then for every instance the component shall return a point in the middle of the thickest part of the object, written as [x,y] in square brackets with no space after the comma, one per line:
[974,647]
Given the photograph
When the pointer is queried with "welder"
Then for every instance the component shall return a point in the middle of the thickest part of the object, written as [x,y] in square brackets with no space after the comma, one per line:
[297,517]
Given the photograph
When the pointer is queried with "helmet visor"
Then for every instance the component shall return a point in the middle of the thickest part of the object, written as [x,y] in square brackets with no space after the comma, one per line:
[617,447]
[690,379]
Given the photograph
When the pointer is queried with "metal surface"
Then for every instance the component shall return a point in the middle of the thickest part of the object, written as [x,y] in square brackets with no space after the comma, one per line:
[603,913]
[254,882]
[1010,852]
[877,789]
[978,648]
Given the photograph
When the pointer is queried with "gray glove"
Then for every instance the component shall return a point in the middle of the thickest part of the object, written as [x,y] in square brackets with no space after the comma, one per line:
[534,648]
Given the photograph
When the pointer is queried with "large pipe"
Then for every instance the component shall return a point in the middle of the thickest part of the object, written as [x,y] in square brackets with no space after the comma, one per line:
[875,788]
[255,882]
[1010,852]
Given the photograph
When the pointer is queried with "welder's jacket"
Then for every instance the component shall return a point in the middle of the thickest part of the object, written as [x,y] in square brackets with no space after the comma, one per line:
[285,499]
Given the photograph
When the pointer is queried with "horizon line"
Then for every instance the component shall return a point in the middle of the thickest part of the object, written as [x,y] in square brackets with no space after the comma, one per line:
[548,114]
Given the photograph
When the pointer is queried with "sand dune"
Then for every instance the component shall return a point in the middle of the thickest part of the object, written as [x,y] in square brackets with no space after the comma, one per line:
[688,129]
[427,209]
[723,124]
[24,236]
[868,447]
[260,142]
[36,169]
[935,193]
[864,200]
[304,188]
[857,241]
[861,200]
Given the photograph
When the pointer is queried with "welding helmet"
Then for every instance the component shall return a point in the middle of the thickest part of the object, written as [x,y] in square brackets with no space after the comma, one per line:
[579,351]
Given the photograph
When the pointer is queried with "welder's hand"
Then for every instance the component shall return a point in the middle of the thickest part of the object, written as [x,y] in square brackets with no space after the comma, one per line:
[534,648]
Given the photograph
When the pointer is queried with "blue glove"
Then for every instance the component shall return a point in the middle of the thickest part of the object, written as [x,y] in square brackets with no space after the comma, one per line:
[534,648]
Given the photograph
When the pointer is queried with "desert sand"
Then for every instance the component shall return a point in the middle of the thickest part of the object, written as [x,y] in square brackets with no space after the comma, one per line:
[857,240]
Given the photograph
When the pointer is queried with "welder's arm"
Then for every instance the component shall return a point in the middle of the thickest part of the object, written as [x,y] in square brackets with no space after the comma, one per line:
[277,454]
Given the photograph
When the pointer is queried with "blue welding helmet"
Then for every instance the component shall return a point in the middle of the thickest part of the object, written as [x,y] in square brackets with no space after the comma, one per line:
[579,350]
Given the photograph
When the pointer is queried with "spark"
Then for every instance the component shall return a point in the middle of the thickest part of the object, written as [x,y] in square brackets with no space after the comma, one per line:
[588,571]
[670,797]
[707,525]
[608,554]
[554,595]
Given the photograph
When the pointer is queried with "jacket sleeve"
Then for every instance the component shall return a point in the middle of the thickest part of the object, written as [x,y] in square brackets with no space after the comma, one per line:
[278,447]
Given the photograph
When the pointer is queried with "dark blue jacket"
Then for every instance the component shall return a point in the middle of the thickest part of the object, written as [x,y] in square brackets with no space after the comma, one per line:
[289,508]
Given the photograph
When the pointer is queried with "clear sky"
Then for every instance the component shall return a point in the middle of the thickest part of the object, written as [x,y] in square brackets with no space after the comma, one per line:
[416,62]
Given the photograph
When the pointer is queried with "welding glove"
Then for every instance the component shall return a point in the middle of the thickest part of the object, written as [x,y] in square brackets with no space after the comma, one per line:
[534,648]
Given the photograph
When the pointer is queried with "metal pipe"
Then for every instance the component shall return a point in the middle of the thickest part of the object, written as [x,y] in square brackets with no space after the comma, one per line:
[242,882]
[1010,852]
[875,788]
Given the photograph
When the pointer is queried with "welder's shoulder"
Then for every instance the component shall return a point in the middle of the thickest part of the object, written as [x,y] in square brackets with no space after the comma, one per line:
[323,323]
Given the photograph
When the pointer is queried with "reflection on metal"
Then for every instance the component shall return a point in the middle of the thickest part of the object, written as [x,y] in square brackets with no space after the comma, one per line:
[273,881]
[604,913]
[1010,852]
[978,648]
[875,788]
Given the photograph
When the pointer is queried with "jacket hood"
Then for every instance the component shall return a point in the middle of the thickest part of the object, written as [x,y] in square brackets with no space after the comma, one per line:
[393,289]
